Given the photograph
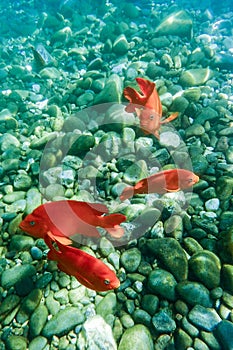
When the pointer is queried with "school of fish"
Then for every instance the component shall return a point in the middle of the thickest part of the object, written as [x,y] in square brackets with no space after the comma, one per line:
[57,222]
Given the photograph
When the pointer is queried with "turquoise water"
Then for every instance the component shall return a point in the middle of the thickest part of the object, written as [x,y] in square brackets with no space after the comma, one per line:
[66,134]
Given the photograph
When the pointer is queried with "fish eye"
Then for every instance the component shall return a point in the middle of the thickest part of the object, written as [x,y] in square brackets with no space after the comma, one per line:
[32,223]
[106,282]
[151,117]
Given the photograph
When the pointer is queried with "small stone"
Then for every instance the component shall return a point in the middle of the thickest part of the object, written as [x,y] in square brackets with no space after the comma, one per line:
[224,187]
[179,104]
[106,247]
[206,114]
[7,141]
[227,277]
[28,305]
[38,320]
[210,340]
[194,293]
[120,45]
[142,317]
[37,343]
[54,190]
[130,259]
[137,337]
[223,332]
[13,275]
[136,172]
[194,130]
[169,251]
[96,334]
[50,73]
[63,322]
[182,339]
[204,318]
[177,23]
[170,139]
[199,344]
[111,92]
[20,242]
[22,182]
[36,253]
[16,342]
[163,323]
[81,145]
[107,305]
[163,283]
[8,305]
[73,123]
[196,76]
[206,266]
[212,204]
[150,303]
[192,94]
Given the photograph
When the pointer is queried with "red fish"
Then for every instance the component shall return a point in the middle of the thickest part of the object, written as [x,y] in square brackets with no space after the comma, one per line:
[171,180]
[66,218]
[89,271]
[147,106]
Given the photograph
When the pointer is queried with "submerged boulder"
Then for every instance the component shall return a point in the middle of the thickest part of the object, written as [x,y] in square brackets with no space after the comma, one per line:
[178,23]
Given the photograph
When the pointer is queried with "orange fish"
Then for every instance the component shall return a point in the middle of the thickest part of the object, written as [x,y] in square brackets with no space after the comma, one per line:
[89,271]
[171,180]
[66,218]
[147,106]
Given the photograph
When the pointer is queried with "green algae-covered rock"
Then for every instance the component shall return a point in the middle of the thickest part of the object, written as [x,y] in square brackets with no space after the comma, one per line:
[112,90]
[130,259]
[120,45]
[195,76]
[177,23]
[162,283]
[194,293]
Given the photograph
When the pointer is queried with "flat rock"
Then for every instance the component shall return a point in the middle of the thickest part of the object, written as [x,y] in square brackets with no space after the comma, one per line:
[137,337]
[178,23]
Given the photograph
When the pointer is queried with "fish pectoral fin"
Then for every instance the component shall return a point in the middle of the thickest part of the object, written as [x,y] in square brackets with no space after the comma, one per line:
[63,240]
[116,231]
[170,118]
[175,190]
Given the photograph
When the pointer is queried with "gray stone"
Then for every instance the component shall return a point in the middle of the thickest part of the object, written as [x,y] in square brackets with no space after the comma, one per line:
[13,275]
[194,293]
[64,321]
[137,337]
[204,318]
[194,130]
[96,334]
[54,190]
[130,259]
[163,283]
[163,323]
[206,267]
[171,254]
[136,172]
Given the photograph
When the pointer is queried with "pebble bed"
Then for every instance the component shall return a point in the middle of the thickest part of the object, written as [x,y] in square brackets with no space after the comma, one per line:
[176,269]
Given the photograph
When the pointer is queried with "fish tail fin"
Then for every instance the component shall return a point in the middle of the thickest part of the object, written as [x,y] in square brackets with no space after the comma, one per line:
[128,192]
[112,224]
[170,118]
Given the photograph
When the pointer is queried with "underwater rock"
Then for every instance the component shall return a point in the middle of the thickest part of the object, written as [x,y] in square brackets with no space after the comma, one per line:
[170,252]
[204,318]
[223,333]
[136,172]
[162,283]
[206,114]
[163,323]
[120,45]
[196,76]
[22,182]
[50,73]
[222,61]
[224,187]
[116,118]
[42,56]
[8,141]
[192,94]
[227,277]
[16,342]
[82,145]
[137,337]
[150,303]
[38,343]
[15,274]
[107,306]
[194,293]
[112,90]
[194,130]
[61,36]
[130,259]
[96,334]
[131,11]
[8,304]
[63,322]
[206,267]
[178,23]
[29,304]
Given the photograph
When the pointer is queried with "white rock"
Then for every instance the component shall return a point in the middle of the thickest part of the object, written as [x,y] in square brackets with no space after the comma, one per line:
[212,204]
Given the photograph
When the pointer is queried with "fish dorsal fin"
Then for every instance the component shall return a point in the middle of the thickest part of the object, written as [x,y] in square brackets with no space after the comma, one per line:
[146,86]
